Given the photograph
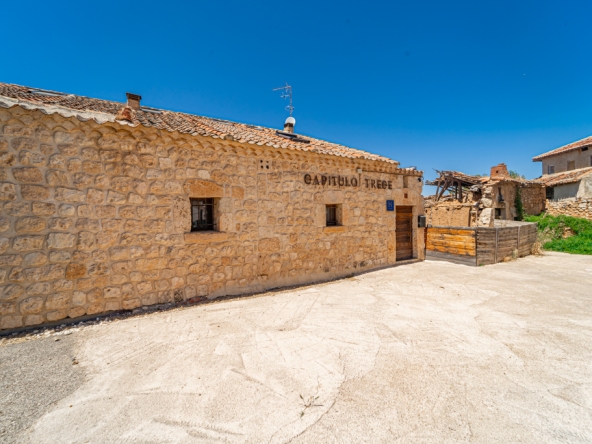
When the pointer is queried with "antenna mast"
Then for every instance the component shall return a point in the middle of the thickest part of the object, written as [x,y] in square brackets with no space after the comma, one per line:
[286,94]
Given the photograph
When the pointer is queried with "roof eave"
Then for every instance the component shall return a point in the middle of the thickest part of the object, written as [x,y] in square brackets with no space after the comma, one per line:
[557,151]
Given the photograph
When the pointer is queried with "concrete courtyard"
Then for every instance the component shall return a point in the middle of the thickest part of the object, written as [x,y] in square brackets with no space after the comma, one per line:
[428,352]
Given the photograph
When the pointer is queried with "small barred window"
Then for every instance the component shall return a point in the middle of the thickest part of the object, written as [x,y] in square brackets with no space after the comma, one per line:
[202,214]
[550,193]
[331,215]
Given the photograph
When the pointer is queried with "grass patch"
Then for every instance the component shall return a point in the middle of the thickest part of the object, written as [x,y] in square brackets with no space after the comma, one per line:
[564,233]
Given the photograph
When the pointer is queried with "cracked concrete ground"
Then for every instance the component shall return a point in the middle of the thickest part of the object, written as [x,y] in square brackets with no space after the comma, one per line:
[429,352]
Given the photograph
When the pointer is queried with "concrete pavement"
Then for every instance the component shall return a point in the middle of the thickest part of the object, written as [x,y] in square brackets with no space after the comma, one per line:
[429,352]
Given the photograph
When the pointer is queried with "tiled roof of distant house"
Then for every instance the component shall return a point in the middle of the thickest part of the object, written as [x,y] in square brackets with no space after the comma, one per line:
[564,149]
[551,180]
[105,111]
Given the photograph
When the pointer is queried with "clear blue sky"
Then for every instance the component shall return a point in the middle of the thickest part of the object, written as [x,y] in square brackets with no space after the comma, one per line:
[433,84]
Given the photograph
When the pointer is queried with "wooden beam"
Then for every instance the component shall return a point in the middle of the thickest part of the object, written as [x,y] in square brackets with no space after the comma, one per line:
[443,190]
[439,190]
[446,186]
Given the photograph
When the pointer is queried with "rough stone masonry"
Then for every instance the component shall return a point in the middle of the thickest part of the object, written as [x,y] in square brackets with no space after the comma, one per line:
[96,217]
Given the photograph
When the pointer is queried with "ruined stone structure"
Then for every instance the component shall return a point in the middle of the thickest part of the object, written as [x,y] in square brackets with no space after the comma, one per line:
[502,194]
[96,207]
[476,201]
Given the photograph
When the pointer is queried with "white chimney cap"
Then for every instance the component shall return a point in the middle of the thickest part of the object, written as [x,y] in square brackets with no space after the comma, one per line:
[291,120]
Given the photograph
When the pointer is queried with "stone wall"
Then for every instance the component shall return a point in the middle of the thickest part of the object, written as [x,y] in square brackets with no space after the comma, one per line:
[449,214]
[532,195]
[533,199]
[96,217]
[574,207]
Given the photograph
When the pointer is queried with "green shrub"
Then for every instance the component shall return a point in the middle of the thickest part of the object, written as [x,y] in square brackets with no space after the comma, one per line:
[518,204]
[564,233]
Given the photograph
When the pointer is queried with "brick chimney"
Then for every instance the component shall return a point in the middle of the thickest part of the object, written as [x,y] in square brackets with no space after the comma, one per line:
[289,124]
[133,101]
[499,172]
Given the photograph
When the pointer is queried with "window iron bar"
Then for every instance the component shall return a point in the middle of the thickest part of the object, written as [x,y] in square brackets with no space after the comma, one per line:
[331,215]
[202,215]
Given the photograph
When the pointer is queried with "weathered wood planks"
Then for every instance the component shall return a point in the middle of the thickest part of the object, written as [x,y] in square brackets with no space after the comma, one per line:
[456,241]
[438,256]
[486,245]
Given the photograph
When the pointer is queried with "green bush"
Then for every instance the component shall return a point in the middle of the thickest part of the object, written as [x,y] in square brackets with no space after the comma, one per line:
[518,204]
[564,233]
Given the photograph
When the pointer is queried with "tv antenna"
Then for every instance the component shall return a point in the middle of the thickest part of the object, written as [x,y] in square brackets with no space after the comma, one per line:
[286,94]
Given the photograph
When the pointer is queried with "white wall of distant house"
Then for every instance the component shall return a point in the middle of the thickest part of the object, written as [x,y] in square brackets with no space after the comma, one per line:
[581,159]
[566,191]
[585,187]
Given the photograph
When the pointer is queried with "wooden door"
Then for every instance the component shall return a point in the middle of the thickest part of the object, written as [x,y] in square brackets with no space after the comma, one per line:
[404,233]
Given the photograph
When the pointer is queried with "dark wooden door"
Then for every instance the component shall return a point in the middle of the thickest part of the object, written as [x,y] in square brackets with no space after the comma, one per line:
[404,233]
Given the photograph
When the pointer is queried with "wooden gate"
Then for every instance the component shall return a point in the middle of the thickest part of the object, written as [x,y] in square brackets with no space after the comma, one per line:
[404,233]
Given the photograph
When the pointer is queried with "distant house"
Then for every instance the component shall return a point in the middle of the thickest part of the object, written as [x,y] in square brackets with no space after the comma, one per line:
[567,177]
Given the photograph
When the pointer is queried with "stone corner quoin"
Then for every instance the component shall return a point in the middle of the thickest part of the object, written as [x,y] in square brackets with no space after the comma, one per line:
[97,217]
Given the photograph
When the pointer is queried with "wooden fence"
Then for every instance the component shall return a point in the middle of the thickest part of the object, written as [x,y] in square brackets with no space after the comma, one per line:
[480,245]
[454,244]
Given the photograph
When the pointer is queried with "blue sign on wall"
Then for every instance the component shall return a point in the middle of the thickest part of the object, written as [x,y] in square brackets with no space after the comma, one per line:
[390,205]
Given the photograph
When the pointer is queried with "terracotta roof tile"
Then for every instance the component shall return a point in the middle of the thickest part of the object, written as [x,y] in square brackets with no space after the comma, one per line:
[551,180]
[104,110]
[572,146]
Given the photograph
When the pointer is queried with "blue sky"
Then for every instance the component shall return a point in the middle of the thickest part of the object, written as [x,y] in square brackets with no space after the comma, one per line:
[446,85]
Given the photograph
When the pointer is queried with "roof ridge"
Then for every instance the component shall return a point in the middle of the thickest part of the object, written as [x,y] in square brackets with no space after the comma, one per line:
[60,93]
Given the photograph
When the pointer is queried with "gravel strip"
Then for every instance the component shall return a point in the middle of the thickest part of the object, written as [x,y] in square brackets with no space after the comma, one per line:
[36,374]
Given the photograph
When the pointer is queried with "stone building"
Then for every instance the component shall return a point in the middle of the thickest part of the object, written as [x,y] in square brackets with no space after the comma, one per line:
[474,201]
[567,177]
[111,206]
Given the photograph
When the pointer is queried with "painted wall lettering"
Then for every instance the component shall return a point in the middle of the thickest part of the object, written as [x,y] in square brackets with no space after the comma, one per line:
[344,181]
[323,180]
[379,184]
